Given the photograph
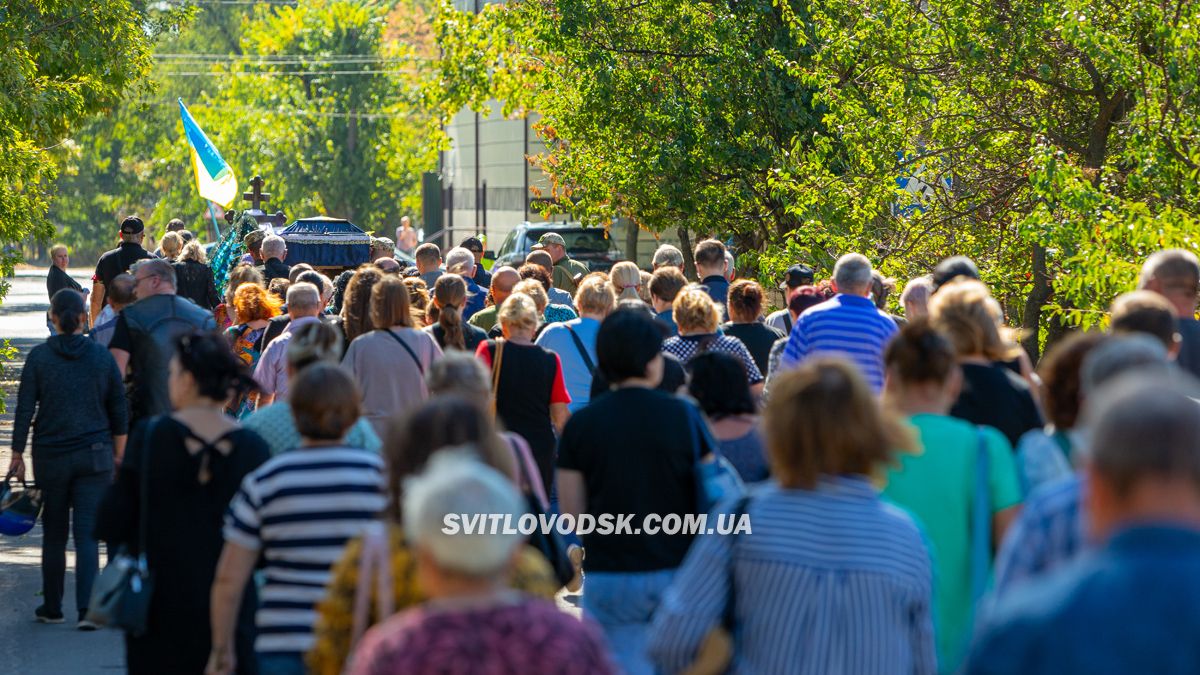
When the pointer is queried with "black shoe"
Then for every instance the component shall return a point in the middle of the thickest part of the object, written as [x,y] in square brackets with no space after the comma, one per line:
[84,624]
[43,615]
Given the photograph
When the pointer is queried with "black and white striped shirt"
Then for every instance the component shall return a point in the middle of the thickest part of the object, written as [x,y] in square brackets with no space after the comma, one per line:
[299,509]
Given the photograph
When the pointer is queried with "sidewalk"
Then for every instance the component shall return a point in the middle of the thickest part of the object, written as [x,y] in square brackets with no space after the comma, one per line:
[27,647]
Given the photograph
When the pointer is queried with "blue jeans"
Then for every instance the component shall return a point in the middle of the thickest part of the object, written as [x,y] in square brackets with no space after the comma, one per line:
[73,484]
[280,664]
[623,603]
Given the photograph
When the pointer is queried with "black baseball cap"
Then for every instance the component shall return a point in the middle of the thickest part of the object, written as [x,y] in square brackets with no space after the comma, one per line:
[797,276]
[952,268]
[472,244]
[132,225]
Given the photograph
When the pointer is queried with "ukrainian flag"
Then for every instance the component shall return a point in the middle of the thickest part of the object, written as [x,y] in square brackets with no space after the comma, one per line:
[214,178]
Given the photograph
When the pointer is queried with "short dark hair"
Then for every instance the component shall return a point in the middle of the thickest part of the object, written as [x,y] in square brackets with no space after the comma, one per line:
[216,370]
[709,253]
[627,342]
[428,253]
[666,282]
[719,384]
[952,268]
[919,354]
[325,402]
[1146,312]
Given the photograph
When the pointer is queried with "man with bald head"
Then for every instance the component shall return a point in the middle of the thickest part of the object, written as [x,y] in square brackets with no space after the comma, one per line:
[503,280]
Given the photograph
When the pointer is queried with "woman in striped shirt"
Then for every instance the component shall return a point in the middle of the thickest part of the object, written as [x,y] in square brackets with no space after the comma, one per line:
[297,512]
[831,580]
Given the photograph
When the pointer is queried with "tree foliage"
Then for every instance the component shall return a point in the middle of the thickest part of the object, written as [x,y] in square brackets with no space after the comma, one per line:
[64,61]
[1054,142]
[320,98]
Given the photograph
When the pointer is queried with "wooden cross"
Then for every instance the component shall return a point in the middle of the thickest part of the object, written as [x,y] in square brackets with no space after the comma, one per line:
[256,196]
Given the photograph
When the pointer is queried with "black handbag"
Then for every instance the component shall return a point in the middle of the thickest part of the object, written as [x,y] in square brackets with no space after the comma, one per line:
[121,594]
[550,543]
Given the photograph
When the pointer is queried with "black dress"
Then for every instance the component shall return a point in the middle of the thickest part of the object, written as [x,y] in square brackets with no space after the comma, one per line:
[194,281]
[523,393]
[184,540]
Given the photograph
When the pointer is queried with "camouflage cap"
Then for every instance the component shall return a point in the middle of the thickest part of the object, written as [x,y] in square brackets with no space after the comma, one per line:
[254,238]
[550,238]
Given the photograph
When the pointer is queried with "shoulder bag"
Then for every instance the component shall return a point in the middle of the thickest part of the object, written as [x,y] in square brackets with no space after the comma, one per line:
[550,543]
[716,479]
[497,360]
[587,360]
[409,350]
[121,594]
[715,653]
[981,519]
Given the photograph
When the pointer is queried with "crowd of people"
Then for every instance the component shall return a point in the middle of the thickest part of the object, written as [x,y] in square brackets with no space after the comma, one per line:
[921,498]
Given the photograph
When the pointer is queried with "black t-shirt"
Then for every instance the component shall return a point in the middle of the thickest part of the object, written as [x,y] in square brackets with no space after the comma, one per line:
[636,449]
[995,396]
[116,262]
[758,338]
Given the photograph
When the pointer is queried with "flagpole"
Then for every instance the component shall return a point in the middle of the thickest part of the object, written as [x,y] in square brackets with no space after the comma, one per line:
[213,214]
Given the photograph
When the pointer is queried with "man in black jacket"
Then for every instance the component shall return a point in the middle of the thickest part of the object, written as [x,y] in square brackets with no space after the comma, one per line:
[274,252]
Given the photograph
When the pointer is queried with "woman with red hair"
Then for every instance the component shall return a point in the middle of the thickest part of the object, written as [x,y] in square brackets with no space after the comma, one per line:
[254,307]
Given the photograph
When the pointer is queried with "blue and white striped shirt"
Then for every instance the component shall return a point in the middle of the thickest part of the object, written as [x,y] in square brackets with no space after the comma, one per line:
[1049,532]
[299,509]
[831,580]
[846,325]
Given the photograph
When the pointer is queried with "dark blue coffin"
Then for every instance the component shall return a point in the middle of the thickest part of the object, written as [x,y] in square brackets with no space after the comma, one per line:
[326,242]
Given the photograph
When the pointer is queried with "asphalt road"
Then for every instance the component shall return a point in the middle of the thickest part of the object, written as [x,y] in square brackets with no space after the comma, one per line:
[26,646]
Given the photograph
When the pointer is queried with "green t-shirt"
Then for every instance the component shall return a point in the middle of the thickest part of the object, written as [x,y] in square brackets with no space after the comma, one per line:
[937,487]
[484,318]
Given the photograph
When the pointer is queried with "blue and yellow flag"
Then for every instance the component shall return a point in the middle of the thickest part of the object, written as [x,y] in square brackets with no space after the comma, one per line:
[214,179]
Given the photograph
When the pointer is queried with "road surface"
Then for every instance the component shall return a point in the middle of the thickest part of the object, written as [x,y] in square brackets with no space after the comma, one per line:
[27,647]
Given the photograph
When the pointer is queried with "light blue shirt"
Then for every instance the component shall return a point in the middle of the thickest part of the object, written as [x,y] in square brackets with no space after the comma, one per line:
[561,297]
[557,338]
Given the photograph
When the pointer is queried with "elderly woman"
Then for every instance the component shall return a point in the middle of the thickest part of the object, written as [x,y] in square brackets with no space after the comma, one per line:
[698,318]
[824,551]
[191,463]
[575,341]
[992,394]
[530,395]
[745,307]
[411,441]
[171,245]
[390,362]
[472,617]
[313,343]
[72,396]
[295,513]
[193,278]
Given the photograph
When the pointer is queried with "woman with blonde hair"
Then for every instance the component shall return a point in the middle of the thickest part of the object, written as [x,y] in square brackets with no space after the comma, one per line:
[445,315]
[698,318]
[171,245]
[390,362]
[825,550]
[527,381]
[356,308]
[255,307]
[992,394]
[225,313]
[626,279]
[418,300]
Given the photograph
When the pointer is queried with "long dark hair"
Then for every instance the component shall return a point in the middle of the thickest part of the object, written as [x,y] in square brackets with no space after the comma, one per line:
[67,307]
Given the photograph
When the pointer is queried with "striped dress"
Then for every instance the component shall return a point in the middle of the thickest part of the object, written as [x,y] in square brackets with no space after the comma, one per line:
[831,580]
[845,325]
[299,510]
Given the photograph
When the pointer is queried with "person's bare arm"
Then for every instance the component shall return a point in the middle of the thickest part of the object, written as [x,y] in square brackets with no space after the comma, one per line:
[1001,521]
[97,302]
[122,358]
[572,493]
[233,571]
[119,448]
[559,414]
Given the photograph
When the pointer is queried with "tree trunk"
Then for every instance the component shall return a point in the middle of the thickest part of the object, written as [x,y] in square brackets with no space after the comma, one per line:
[631,240]
[1038,296]
[685,245]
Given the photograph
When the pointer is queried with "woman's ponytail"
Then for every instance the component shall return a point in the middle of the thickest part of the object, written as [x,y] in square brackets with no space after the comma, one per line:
[450,294]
